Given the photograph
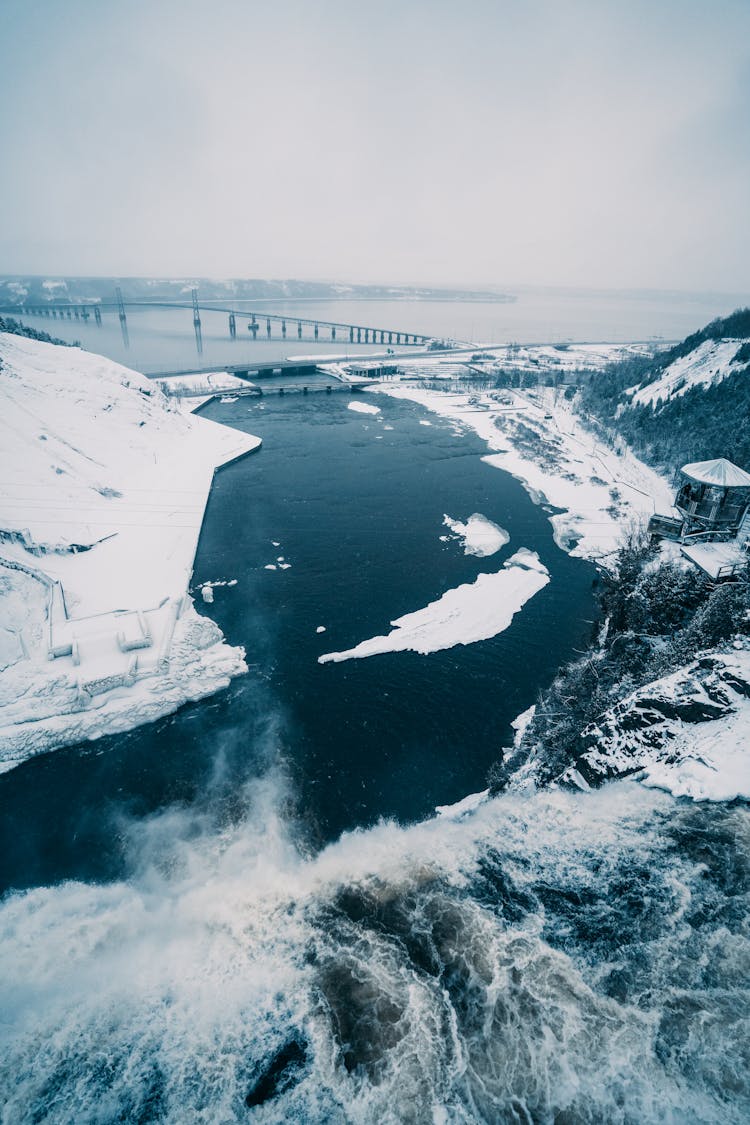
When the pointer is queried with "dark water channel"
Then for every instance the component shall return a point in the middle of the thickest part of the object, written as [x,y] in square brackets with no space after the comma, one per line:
[357,510]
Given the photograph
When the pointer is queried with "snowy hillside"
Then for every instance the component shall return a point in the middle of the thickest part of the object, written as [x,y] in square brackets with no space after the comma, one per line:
[104,488]
[710,362]
[688,732]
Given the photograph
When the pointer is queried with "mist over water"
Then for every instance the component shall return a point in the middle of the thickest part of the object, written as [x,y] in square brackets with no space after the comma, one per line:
[553,958]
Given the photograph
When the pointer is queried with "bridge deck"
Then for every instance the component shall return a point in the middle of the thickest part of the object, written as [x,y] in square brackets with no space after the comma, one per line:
[258,316]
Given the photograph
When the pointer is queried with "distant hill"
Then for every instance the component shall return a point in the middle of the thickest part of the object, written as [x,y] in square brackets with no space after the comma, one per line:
[689,403]
[17,290]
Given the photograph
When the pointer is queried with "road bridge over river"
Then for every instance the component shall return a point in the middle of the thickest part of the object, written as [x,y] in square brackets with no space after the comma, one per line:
[260,324]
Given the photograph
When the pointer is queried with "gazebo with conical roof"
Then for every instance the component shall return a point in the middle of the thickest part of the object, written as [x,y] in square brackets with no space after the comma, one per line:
[712,498]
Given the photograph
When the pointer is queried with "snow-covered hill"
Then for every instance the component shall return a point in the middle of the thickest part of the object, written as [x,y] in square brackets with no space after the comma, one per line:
[711,361]
[104,485]
[688,732]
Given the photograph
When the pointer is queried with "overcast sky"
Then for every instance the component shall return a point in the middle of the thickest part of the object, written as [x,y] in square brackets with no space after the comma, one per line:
[468,142]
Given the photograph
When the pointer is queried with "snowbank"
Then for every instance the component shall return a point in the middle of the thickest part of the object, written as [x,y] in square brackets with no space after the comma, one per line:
[105,487]
[473,612]
[480,536]
[688,733]
[204,384]
[710,362]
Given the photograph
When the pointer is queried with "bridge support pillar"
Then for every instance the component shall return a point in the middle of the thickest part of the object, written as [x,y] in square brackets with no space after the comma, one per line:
[232,327]
[333,333]
[359,335]
[283,330]
[123,318]
[268,328]
[98,315]
[299,329]
[315,330]
[390,337]
[197,323]
[351,335]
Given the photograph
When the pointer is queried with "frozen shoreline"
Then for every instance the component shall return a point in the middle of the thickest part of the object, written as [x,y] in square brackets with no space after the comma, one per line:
[107,483]
[541,441]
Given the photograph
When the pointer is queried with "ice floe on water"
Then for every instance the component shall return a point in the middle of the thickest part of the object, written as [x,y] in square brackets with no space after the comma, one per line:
[481,536]
[472,612]
[364,407]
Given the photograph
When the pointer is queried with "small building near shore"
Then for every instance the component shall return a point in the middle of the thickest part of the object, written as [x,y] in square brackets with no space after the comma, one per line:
[711,517]
[713,497]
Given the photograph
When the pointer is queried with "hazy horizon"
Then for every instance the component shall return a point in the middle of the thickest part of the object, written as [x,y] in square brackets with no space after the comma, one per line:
[584,145]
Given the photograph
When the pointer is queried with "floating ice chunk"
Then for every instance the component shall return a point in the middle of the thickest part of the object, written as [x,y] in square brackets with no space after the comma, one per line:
[364,408]
[481,536]
[424,422]
[387,427]
[270,566]
[274,543]
[285,566]
[320,629]
[473,612]
[207,593]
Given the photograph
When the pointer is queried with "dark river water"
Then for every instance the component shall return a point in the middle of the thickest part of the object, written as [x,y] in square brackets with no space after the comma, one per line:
[246,912]
[356,503]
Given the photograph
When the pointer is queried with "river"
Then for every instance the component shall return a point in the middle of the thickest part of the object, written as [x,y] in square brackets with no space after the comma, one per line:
[356,503]
[248,911]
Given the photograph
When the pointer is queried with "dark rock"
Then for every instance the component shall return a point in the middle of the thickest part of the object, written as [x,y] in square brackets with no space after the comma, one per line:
[284,1069]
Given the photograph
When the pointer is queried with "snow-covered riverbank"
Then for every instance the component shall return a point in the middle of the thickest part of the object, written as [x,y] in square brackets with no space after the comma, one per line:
[536,436]
[104,489]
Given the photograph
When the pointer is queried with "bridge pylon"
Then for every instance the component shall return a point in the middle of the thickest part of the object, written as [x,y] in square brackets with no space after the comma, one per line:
[123,318]
[197,323]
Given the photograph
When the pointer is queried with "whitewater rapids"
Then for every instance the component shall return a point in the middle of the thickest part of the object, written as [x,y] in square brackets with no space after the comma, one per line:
[554,958]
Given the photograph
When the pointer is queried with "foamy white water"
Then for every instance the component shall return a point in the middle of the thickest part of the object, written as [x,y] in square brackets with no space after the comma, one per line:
[537,960]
